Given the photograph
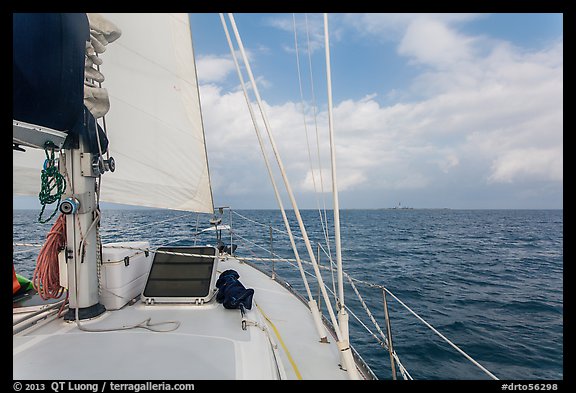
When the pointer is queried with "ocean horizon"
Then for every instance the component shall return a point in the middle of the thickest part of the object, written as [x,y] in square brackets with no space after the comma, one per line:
[490,280]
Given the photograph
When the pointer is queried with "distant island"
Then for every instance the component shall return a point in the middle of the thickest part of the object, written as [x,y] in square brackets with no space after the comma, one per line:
[400,207]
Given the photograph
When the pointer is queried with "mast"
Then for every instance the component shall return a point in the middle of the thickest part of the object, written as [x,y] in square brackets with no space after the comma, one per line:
[81,251]
[81,164]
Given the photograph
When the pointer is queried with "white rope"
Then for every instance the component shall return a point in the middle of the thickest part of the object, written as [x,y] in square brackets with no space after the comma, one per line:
[145,324]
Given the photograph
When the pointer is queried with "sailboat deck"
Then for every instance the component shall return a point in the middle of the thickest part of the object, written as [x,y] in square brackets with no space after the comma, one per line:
[279,341]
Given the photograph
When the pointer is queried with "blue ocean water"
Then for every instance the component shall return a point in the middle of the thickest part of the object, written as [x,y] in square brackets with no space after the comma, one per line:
[489,280]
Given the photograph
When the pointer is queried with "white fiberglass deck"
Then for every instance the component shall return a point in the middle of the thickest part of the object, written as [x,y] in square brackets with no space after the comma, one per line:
[209,343]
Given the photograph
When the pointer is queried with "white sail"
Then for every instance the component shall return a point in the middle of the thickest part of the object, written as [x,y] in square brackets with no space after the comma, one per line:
[154,124]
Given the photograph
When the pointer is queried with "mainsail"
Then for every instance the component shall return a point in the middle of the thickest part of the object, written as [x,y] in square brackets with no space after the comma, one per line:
[154,124]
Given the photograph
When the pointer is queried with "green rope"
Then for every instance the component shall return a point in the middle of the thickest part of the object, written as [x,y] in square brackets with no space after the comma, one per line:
[51,179]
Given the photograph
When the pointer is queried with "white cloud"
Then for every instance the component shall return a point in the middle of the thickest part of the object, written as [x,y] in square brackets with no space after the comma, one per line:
[530,163]
[484,108]
[213,68]
[217,68]
[392,26]
[432,42]
[449,162]
[309,31]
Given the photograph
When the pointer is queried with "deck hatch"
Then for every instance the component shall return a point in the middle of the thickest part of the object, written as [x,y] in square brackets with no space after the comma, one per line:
[177,278]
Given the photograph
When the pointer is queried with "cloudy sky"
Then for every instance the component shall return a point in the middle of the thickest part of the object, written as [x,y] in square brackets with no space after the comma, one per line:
[430,110]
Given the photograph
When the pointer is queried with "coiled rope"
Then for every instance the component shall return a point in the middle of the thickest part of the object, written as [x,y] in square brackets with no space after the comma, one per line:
[51,179]
[46,276]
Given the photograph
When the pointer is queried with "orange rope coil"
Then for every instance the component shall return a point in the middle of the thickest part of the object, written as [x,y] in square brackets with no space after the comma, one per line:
[46,277]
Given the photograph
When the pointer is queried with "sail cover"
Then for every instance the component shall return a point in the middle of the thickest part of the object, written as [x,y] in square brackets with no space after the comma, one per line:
[154,124]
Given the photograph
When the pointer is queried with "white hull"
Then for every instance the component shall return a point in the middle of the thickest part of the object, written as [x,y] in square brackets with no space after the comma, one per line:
[279,342]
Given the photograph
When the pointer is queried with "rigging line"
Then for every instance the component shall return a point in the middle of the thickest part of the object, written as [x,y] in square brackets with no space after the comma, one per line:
[289,261]
[368,312]
[103,117]
[443,337]
[201,255]
[291,195]
[265,225]
[315,109]
[405,374]
[283,232]
[158,222]
[196,233]
[327,253]
[255,244]
[336,206]
[427,324]
[247,245]
[195,255]
[257,130]
[383,342]
[279,258]
[26,245]
[319,244]
[306,127]
[25,251]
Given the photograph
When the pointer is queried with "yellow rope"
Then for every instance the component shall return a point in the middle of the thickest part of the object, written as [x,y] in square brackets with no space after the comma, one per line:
[298,375]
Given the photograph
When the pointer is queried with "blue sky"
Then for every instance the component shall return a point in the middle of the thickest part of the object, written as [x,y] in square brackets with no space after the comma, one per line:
[430,110]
